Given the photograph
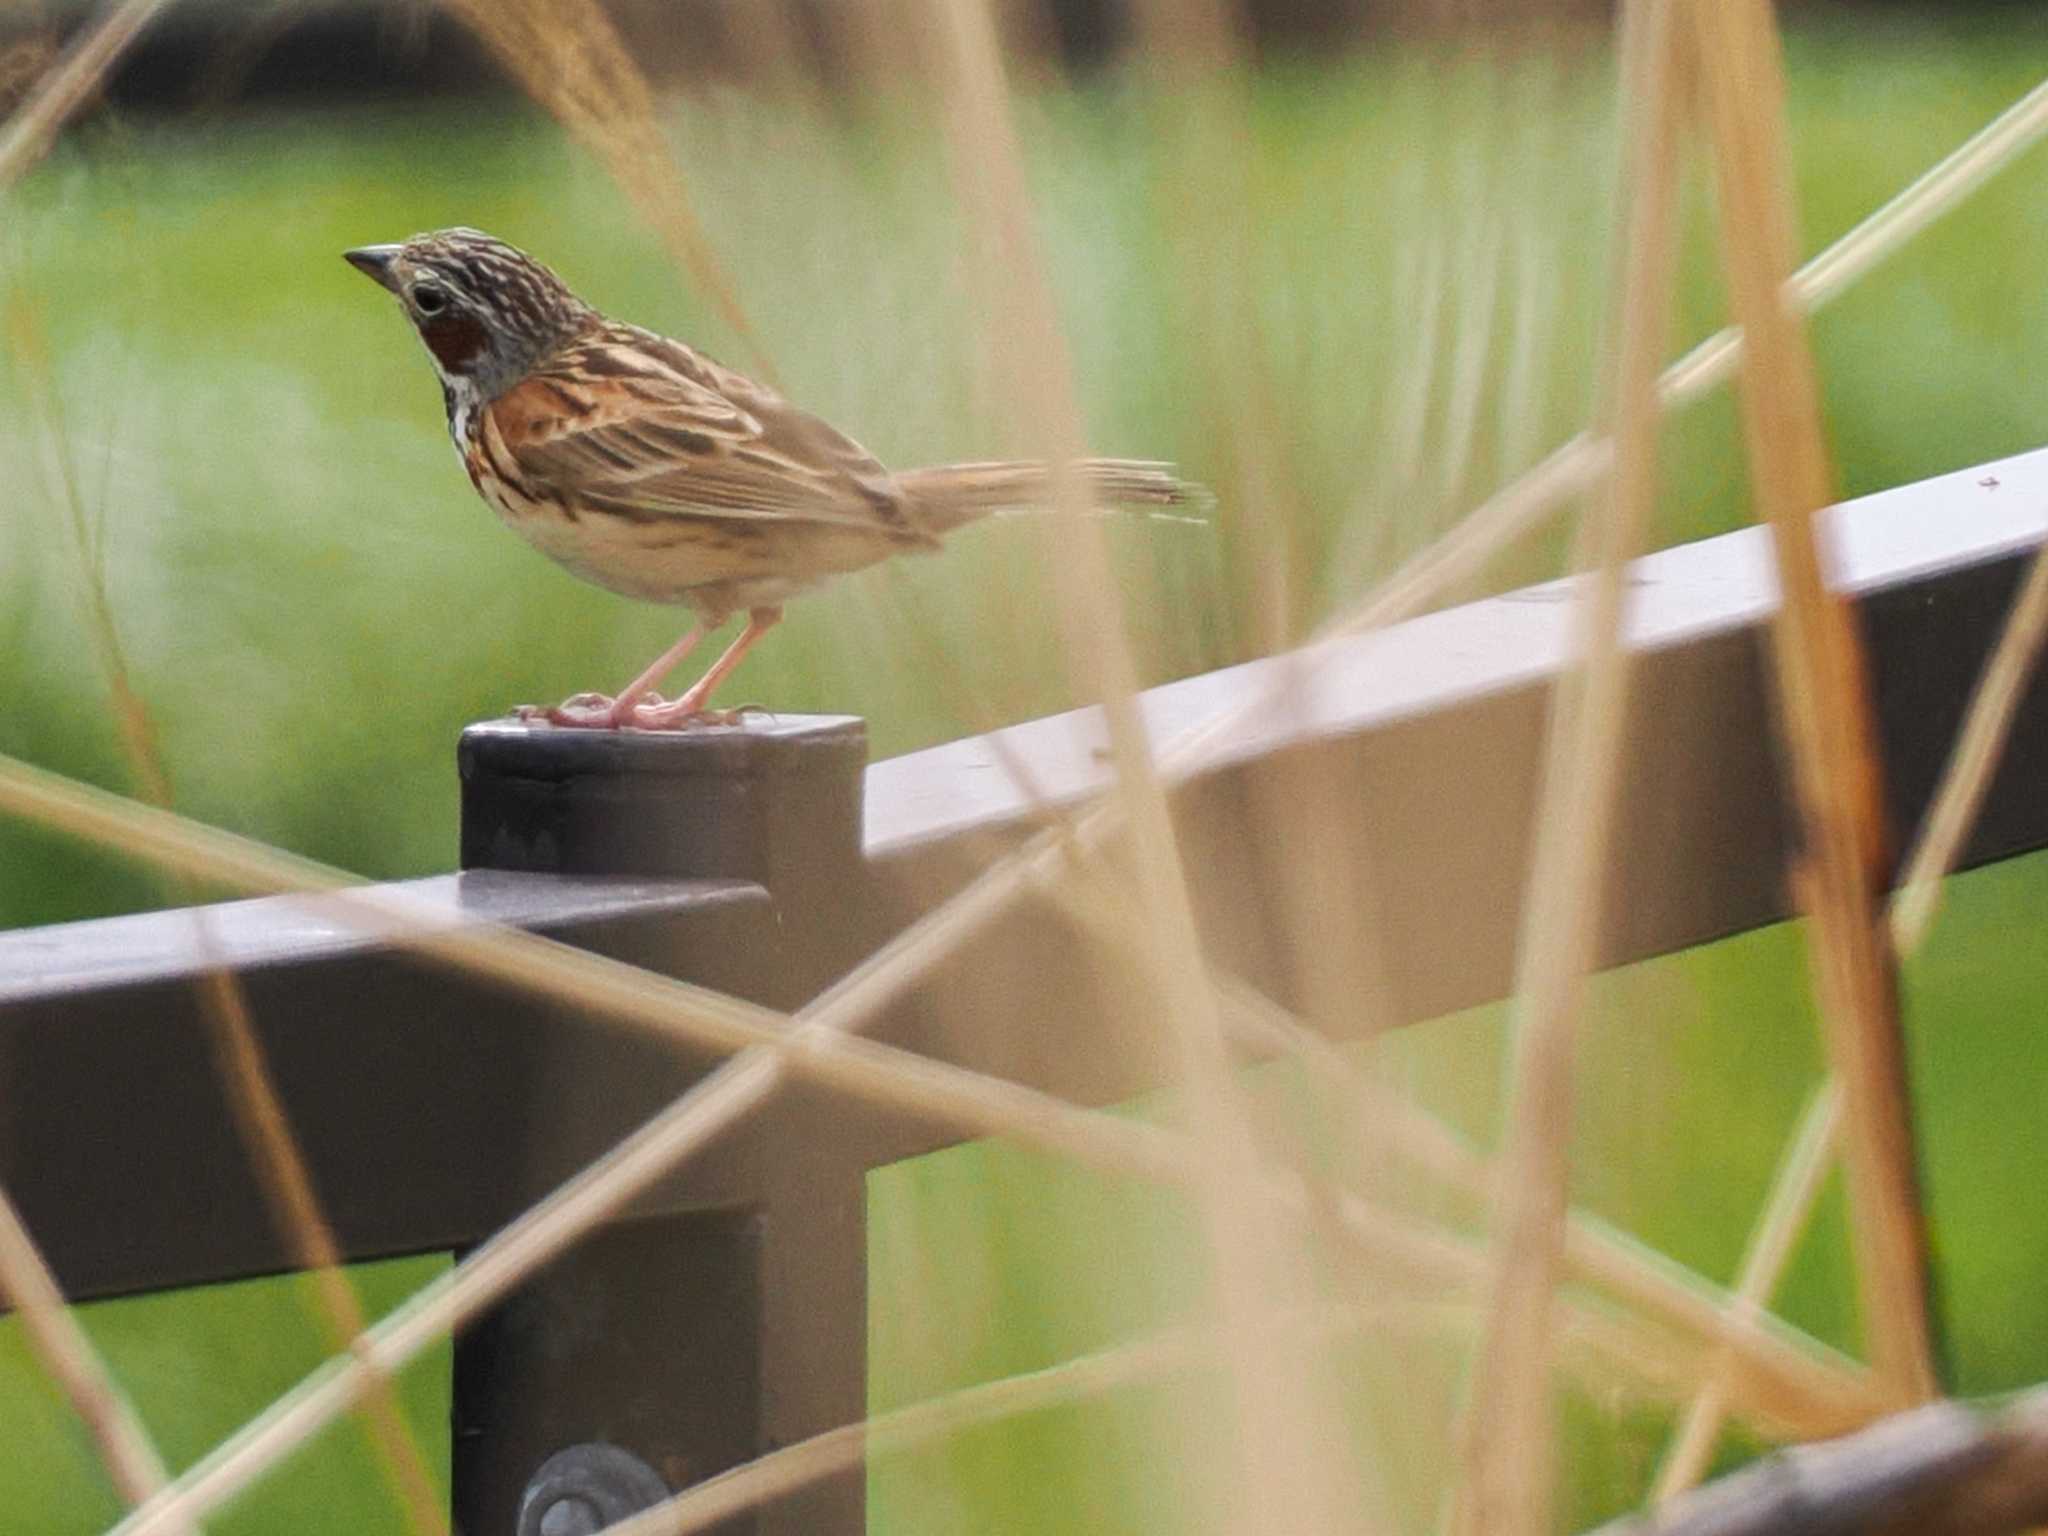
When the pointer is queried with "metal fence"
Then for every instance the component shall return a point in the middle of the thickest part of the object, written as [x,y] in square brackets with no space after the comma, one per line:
[764,862]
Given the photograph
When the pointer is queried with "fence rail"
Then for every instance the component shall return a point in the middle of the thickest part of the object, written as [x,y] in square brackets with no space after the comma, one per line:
[764,862]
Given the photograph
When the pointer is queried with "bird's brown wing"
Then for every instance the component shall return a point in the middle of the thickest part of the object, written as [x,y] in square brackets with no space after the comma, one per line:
[645,428]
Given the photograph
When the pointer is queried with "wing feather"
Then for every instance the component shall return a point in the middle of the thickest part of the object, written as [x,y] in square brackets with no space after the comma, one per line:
[647,429]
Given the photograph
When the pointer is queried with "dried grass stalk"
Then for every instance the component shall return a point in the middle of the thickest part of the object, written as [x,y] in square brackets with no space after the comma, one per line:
[1766,1365]
[1985,153]
[1802,1395]
[287,1183]
[1823,693]
[60,1344]
[1507,1451]
[1194,52]
[1967,776]
[1256,1252]
[250,1089]
[1603,1353]
[1794,1192]
[36,123]
[570,58]
[1965,780]
[1581,463]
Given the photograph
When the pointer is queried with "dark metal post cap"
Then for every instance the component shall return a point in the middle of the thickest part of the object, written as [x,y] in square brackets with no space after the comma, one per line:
[728,801]
[754,743]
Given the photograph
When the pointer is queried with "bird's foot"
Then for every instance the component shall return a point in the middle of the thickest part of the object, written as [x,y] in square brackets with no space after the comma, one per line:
[644,713]
[649,712]
[686,713]
[580,711]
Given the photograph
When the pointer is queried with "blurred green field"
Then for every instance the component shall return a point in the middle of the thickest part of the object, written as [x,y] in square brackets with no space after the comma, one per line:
[1693,1071]
[314,602]
[197,1365]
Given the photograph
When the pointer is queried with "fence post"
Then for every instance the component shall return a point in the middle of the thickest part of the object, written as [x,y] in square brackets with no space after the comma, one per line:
[678,1343]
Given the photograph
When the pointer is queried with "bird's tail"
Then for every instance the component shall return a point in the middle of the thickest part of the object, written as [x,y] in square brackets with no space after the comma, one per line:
[949,495]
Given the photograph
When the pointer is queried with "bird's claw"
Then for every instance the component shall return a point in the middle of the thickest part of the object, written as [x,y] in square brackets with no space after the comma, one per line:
[654,715]
[737,715]
[650,712]
[580,711]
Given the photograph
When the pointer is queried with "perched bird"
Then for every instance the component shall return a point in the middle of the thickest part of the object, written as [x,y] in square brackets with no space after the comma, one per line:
[646,467]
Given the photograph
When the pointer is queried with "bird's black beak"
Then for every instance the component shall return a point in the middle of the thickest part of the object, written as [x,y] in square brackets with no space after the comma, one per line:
[375,262]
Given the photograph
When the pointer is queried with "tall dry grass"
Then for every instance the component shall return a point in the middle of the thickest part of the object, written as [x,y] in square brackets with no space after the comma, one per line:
[1699,79]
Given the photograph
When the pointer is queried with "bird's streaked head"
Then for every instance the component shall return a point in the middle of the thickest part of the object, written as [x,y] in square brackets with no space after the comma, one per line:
[486,310]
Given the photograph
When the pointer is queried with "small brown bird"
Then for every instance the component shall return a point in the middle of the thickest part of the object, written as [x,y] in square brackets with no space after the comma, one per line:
[645,467]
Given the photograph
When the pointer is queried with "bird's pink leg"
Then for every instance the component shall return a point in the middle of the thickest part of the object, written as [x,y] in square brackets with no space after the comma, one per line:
[657,669]
[594,710]
[666,717]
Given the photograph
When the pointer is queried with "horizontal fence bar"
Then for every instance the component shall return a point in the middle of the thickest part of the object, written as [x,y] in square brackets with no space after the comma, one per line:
[1433,731]
[1909,537]
[40,964]
[434,1106]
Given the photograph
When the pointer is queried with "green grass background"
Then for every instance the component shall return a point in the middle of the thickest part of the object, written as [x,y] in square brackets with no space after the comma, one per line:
[197,1365]
[987,1260]
[313,603]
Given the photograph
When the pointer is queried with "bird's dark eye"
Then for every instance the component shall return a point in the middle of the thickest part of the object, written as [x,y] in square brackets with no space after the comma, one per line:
[429,301]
